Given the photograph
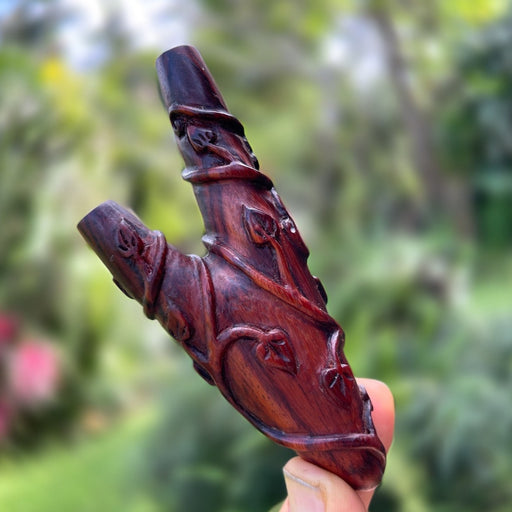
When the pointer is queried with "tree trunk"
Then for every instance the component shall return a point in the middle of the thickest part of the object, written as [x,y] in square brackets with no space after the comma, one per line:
[438,196]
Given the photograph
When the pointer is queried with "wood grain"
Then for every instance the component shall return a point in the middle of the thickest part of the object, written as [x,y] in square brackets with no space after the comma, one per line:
[249,314]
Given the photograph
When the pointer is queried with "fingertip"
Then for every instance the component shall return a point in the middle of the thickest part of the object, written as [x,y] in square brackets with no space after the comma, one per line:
[317,490]
[383,413]
[284,506]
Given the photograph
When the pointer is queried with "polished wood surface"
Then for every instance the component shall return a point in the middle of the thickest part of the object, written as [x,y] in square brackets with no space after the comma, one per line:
[249,313]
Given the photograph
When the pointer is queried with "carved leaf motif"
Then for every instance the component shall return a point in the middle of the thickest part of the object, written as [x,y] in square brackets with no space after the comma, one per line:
[276,351]
[177,325]
[200,138]
[337,381]
[127,239]
[259,225]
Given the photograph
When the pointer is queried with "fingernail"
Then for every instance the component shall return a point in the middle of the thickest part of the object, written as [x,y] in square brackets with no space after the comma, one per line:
[303,496]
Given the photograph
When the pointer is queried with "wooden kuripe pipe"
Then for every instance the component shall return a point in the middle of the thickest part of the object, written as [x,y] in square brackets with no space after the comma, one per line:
[249,313]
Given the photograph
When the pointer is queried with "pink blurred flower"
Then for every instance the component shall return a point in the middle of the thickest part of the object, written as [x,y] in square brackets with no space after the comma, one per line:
[33,373]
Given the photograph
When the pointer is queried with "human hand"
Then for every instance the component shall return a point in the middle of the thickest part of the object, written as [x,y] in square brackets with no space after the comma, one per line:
[313,489]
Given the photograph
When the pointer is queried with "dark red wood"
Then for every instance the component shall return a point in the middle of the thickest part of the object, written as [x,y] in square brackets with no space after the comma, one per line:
[249,313]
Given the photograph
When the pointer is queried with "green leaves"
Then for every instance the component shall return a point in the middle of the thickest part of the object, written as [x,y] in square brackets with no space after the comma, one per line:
[475,11]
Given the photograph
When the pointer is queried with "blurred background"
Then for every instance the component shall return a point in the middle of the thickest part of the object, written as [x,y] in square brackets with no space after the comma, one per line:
[386,126]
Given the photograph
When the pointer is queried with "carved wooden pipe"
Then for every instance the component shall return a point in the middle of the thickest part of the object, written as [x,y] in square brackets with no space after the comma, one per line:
[249,313]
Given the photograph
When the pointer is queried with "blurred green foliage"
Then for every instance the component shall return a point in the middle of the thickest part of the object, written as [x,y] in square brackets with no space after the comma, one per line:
[209,445]
[63,477]
[385,126]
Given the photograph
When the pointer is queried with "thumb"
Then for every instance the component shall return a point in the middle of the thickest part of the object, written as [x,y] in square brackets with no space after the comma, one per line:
[312,489]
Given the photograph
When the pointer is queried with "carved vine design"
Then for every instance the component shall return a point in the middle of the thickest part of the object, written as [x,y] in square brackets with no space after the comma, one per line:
[191,303]
[262,229]
[272,347]
[289,295]
[337,379]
